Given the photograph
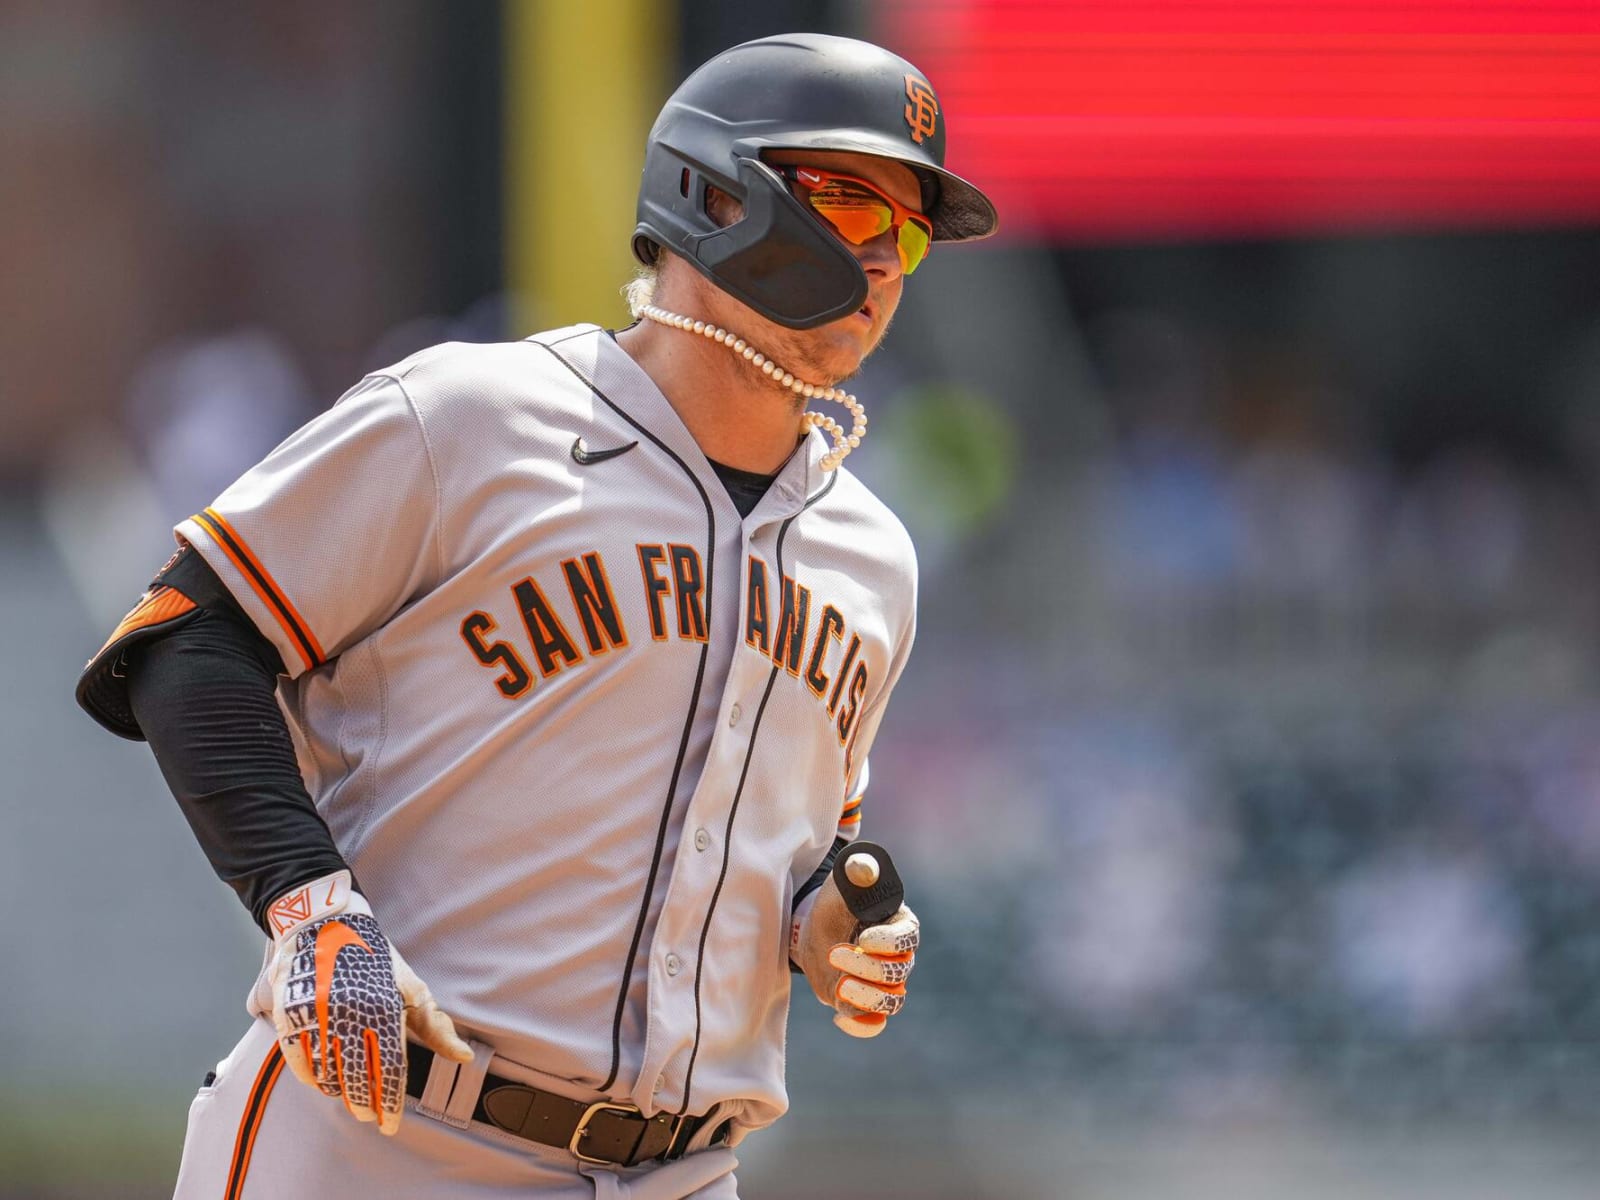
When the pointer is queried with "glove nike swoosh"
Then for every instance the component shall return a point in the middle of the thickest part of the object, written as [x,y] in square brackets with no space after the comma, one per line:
[331,938]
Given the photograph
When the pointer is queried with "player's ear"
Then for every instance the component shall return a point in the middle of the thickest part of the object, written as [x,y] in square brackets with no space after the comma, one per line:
[721,207]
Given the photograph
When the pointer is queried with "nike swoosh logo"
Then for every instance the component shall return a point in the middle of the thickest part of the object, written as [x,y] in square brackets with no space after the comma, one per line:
[582,455]
[331,938]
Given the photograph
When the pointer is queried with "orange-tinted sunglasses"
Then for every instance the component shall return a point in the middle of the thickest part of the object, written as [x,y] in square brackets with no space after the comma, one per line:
[859,212]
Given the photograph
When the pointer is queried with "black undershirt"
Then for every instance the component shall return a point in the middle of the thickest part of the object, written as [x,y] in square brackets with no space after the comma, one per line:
[205,697]
[745,488]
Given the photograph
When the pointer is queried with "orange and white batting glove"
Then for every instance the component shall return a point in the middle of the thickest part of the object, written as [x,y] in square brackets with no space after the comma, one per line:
[343,1000]
[859,973]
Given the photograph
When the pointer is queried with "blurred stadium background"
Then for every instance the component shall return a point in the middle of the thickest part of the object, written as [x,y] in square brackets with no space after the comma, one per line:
[1248,770]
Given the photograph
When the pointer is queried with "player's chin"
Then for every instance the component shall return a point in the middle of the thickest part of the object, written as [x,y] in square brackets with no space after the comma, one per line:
[840,347]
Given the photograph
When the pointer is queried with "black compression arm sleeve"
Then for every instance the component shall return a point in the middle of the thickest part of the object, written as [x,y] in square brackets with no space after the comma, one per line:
[205,697]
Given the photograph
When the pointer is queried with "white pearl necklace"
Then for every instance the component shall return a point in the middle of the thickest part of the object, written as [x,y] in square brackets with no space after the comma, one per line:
[843,442]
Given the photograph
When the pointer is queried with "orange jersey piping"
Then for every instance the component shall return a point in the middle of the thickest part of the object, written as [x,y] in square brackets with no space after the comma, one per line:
[250,1123]
[264,586]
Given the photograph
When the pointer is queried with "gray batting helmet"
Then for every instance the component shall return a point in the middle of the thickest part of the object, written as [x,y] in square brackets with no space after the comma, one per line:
[798,91]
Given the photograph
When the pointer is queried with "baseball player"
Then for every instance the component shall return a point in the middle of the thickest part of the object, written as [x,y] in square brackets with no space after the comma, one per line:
[525,696]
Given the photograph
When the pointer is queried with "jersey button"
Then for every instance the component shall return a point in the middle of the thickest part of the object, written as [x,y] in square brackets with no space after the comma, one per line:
[734,714]
[702,839]
[674,964]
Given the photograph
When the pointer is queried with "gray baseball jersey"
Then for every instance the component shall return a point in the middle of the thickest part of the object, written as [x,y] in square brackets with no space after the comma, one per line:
[579,728]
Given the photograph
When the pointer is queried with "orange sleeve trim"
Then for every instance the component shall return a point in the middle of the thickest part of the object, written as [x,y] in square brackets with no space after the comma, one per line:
[852,813]
[264,586]
[156,607]
[250,1123]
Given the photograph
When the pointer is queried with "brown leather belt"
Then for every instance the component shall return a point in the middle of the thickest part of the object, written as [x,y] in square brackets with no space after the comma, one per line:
[605,1132]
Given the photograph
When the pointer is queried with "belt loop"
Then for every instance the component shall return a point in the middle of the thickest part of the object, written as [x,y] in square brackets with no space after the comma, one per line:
[469,1082]
[436,1092]
[451,1092]
[683,1130]
[712,1129]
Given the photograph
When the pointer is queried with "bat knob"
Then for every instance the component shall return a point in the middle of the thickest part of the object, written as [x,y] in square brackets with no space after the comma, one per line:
[868,882]
[861,870]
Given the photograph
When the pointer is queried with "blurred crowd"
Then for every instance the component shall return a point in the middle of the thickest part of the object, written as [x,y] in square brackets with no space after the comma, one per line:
[1256,769]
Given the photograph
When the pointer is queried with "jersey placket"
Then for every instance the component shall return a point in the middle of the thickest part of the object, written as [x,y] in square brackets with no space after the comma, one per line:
[703,863]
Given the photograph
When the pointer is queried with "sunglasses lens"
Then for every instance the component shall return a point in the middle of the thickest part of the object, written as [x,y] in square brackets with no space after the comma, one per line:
[913,243]
[858,216]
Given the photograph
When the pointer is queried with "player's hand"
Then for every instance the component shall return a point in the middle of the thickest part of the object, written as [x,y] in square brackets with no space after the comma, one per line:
[343,1000]
[861,975]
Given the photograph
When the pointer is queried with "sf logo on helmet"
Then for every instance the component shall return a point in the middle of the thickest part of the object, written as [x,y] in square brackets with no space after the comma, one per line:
[922,114]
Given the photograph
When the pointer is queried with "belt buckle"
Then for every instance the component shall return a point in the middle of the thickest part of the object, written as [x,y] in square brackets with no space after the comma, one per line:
[589,1114]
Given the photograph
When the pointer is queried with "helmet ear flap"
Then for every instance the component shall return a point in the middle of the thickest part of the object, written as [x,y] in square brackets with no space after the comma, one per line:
[777,258]
[646,249]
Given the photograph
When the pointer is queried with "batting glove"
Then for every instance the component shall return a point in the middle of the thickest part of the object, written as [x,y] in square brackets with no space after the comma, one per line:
[343,1000]
[859,973]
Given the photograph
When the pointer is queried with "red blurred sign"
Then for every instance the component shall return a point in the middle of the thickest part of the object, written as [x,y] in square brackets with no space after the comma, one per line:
[1151,118]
